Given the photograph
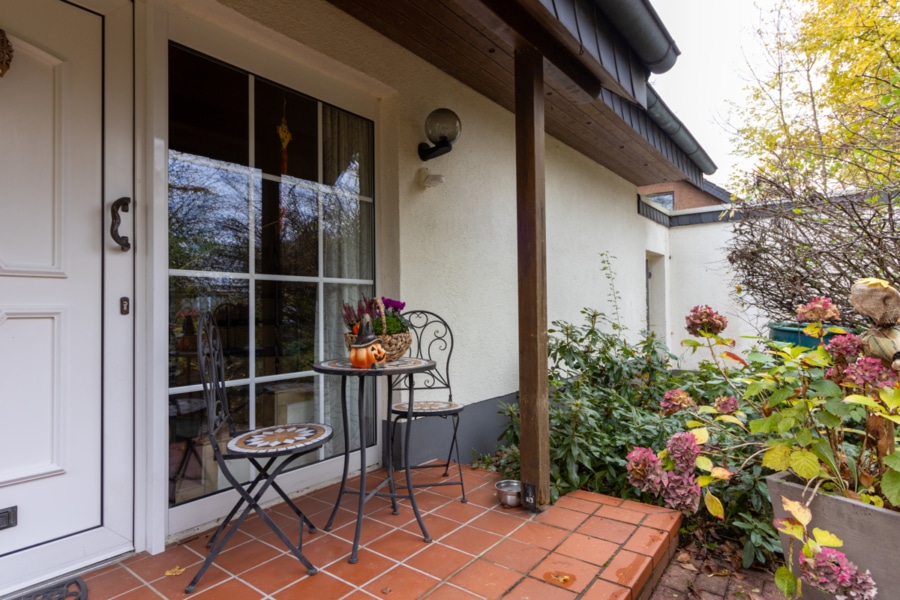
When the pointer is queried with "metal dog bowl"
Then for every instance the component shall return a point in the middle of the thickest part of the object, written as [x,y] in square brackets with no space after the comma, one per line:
[510,492]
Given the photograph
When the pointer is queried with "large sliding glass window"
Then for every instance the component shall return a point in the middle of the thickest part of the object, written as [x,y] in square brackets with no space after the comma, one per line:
[271,227]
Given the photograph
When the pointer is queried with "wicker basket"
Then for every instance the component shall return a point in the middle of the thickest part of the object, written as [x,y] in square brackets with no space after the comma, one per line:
[395,345]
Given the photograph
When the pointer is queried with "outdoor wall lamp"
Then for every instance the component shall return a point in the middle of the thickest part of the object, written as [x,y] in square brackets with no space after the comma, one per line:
[442,128]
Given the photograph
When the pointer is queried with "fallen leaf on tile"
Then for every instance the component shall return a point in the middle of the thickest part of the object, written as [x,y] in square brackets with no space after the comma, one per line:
[386,590]
[684,557]
[689,567]
[173,572]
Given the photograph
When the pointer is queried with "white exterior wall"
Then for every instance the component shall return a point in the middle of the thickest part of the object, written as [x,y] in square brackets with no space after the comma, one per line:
[455,245]
[700,274]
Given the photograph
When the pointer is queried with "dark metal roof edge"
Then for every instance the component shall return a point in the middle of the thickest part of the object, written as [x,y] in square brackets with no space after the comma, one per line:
[643,123]
[640,25]
[666,120]
[718,192]
[645,209]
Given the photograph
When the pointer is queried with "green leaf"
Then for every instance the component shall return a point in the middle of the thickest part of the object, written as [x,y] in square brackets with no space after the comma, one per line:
[707,409]
[838,408]
[749,554]
[695,423]
[890,486]
[803,437]
[780,395]
[822,449]
[804,463]
[785,581]
[691,343]
[766,425]
[777,458]
[893,461]
[827,419]
[826,388]
[890,397]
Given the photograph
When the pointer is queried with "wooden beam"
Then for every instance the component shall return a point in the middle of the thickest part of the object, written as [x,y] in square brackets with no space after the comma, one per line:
[532,258]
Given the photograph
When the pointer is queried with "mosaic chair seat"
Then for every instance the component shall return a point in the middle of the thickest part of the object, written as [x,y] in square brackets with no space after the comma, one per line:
[270,450]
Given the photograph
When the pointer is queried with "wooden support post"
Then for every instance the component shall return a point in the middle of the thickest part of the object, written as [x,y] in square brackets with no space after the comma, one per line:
[532,258]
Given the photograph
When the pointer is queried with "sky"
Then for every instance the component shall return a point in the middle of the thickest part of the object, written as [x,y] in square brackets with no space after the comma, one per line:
[716,40]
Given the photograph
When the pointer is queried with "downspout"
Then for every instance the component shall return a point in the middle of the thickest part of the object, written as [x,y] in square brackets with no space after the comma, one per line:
[660,114]
[639,24]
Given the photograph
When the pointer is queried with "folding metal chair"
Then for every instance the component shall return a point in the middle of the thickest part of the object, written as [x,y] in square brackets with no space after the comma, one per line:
[432,339]
[278,446]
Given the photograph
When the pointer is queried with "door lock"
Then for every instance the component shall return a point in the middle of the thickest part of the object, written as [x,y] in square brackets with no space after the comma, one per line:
[124,305]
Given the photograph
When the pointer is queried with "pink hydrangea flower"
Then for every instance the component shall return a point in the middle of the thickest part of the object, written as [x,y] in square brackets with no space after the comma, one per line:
[645,471]
[683,450]
[704,319]
[726,404]
[844,346]
[818,309]
[682,492]
[831,572]
[870,371]
[676,400]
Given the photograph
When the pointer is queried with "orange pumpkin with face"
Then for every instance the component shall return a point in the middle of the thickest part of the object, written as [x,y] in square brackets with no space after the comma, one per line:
[368,355]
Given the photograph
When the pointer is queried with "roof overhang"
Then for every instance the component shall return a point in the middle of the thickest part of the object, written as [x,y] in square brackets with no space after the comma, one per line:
[596,90]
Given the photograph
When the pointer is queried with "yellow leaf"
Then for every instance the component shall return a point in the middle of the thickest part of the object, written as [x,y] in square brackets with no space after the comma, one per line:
[777,458]
[704,480]
[173,572]
[704,464]
[826,538]
[702,434]
[873,282]
[694,423]
[729,419]
[798,510]
[721,473]
[714,506]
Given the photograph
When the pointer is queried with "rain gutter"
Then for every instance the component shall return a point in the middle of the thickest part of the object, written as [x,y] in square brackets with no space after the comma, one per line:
[666,120]
[644,31]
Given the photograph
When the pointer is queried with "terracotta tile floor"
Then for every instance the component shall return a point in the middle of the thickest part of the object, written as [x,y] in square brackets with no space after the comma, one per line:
[585,546]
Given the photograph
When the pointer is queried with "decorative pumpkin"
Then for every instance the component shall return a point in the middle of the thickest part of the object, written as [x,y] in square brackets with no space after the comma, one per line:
[367,352]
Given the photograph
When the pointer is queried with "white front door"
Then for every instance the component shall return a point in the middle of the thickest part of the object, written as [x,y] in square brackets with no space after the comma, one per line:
[66,349]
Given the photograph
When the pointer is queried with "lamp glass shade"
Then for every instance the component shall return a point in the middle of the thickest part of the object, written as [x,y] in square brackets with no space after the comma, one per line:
[442,124]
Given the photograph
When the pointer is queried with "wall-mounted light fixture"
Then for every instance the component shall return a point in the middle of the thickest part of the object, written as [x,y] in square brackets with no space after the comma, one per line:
[442,128]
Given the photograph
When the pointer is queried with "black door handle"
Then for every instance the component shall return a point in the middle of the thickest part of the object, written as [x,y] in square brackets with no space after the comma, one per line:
[121,240]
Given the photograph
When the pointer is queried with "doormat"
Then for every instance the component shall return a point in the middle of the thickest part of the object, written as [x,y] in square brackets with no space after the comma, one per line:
[72,589]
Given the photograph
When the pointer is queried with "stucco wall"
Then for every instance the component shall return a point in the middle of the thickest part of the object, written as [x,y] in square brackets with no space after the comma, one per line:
[700,274]
[456,243]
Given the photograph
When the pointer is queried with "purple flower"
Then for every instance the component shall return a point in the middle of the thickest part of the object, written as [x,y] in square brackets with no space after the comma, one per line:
[871,371]
[818,309]
[645,471]
[704,319]
[726,404]
[675,400]
[844,346]
[393,305]
[683,450]
[831,572]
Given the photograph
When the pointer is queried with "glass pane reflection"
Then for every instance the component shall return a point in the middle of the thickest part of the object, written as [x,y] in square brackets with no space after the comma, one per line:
[193,472]
[208,214]
[348,232]
[229,301]
[285,327]
[287,228]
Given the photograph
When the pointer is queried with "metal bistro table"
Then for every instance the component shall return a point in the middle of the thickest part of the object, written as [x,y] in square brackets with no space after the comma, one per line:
[401,367]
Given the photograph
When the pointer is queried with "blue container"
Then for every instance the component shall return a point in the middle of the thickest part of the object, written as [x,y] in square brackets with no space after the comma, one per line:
[790,331]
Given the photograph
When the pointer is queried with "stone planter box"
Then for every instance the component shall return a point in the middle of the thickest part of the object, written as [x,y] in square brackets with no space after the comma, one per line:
[869,533]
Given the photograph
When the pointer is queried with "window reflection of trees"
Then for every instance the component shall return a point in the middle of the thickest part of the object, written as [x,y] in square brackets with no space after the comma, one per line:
[208,214]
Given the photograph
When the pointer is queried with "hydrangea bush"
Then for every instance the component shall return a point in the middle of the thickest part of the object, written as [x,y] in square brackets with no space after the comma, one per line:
[826,414]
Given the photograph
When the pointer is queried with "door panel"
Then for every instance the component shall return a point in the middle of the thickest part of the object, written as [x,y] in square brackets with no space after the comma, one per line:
[63,422]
